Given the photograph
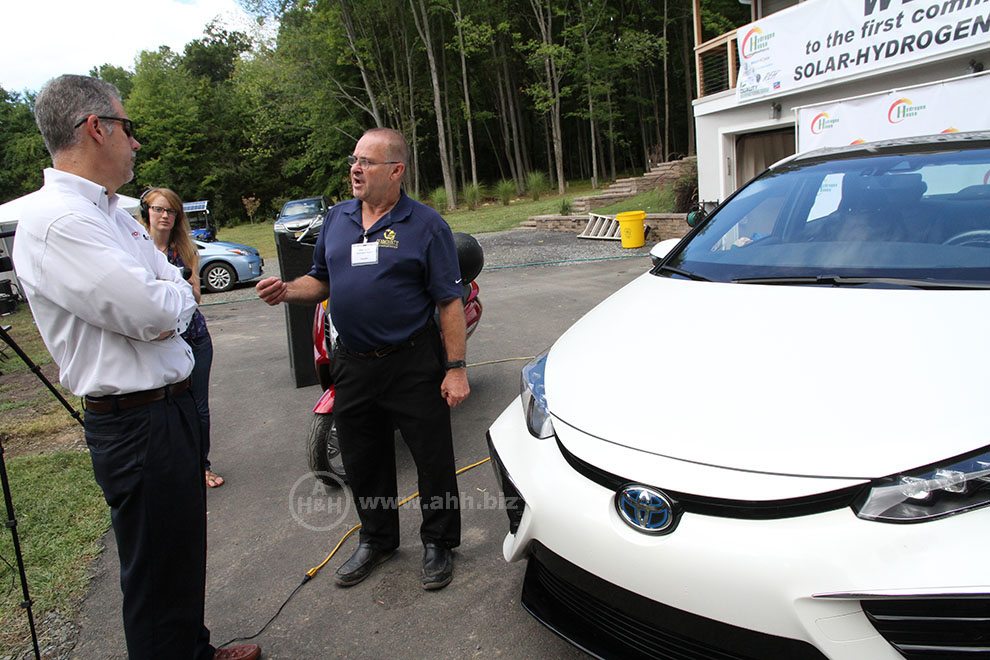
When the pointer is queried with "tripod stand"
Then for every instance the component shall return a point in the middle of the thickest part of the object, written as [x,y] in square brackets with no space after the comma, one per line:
[11,522]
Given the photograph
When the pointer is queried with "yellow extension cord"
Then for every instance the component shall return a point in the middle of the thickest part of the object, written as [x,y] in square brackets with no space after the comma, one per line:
[311,573]
[316,569]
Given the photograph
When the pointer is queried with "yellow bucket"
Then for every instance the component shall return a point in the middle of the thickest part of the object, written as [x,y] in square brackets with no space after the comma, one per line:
[632,228]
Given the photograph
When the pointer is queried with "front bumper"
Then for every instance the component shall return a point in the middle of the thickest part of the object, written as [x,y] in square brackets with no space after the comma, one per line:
[742,584]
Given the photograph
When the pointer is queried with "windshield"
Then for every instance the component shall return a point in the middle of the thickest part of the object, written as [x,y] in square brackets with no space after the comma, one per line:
[301,207]
[912,216]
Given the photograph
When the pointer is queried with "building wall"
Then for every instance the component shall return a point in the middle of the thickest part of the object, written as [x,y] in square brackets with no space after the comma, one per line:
[718,120]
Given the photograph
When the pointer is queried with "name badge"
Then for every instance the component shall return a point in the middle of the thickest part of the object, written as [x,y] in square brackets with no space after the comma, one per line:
[364,254]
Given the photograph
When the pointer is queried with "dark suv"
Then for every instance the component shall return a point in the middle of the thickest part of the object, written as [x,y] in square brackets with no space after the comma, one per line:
[300,215]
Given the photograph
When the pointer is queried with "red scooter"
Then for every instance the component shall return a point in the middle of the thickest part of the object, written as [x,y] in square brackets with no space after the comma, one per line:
[324,449]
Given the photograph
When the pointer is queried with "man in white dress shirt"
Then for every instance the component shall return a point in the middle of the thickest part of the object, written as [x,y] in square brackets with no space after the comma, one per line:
[110,309]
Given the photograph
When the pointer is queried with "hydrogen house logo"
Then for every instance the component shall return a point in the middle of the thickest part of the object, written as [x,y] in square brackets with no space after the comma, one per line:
[755,42]
[902,109]
[822,122]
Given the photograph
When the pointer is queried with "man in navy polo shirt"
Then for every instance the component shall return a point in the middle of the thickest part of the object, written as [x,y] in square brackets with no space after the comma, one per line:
[387,262]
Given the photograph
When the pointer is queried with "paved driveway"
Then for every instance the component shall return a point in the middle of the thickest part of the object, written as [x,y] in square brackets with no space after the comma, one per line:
[259,551]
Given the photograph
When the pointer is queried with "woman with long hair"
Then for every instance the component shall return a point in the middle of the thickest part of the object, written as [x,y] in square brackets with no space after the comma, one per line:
[162,214]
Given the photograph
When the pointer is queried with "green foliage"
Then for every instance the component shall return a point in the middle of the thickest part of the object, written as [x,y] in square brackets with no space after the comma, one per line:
[565,206]
[22,151]
[536,184]
[117,76]
[61,516]
[505,190]
[472,195]
[225,119]
[685,188]
[438,199]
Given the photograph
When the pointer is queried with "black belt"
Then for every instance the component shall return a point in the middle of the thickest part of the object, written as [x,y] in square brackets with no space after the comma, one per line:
[385,350]
[118,402]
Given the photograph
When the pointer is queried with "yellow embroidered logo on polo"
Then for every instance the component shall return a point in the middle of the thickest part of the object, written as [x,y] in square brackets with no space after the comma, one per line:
[388,239]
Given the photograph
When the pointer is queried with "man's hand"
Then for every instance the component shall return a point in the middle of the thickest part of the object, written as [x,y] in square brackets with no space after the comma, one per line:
[454,387]
[272,290]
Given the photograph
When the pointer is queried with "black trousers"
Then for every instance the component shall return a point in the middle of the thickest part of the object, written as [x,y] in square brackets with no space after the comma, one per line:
[148,462]
[376,395]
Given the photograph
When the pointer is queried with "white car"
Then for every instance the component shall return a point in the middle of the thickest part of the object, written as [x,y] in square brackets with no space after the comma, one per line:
[801,466]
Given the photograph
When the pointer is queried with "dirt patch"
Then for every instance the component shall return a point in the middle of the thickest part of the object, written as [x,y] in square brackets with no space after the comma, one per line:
[34,421]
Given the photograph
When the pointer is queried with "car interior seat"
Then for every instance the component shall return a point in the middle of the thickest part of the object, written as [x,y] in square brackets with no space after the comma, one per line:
[872,208]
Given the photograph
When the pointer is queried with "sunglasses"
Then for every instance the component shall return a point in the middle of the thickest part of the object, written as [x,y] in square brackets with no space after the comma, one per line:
[126,124]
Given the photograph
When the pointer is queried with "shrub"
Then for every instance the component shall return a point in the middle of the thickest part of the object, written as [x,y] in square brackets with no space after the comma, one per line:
[686,187]
[472,195]
[438,199]
[505,190]
[536,184]
[565,206]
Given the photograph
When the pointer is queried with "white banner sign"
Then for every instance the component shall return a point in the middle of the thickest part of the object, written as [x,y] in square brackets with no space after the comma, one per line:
[946,107]
[822,40]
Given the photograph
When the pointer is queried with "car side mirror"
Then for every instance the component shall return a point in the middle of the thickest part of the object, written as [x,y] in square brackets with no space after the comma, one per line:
[659,251]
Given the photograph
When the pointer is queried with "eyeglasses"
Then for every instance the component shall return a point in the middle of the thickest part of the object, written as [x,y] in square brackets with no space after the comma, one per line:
[161,210]
[126,124]
[364,162]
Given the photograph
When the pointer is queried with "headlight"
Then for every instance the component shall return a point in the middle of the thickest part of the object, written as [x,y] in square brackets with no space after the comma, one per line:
[953,487]
[534,397]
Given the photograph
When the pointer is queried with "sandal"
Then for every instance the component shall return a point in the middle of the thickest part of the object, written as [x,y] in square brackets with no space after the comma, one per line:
[213,480]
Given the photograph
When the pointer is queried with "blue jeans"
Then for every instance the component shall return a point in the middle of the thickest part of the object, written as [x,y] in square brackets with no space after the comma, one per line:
[202,350]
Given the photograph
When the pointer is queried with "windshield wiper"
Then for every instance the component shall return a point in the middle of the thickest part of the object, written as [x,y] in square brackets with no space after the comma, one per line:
[840,280]
[683,273]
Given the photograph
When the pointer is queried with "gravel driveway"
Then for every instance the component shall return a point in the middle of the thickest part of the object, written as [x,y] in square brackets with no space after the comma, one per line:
[504,249]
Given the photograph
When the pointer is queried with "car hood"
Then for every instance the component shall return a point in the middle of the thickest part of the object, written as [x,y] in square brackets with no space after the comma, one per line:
[220,246]
[810,381]
[299,221]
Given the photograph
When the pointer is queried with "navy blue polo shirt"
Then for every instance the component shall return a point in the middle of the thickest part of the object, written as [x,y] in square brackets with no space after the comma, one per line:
[383,304]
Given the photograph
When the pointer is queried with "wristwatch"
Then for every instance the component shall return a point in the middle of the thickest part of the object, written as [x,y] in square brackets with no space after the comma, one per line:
[455,364]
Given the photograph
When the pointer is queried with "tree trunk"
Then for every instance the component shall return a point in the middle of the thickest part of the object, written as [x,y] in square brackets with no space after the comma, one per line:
[611,130]
[414,143]
[421,18]
[544,19]
[467,96]
[352,42]
[519,152]
[688,84]
[666,87]
[503,117]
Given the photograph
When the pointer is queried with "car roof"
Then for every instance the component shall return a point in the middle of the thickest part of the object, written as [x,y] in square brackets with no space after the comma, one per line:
[938,141]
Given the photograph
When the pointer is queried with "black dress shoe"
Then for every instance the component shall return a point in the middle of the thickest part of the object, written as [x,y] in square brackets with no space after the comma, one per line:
[438,566]
[360,565]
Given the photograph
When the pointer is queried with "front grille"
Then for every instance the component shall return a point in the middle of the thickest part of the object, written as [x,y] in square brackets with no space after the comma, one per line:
[934,628]
[607,621]
[724,508]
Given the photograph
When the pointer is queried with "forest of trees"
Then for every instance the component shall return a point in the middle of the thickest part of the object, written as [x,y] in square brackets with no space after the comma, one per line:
[484,90]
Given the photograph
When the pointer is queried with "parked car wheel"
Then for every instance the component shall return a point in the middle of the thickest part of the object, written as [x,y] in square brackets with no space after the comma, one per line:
[219,277]
[324,450]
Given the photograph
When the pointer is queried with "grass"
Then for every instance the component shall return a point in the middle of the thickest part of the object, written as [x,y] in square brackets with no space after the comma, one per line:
[25,334]
[61,516]
[659,200]
[489,216]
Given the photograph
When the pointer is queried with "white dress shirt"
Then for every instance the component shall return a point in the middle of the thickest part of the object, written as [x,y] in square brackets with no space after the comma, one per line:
[100,291]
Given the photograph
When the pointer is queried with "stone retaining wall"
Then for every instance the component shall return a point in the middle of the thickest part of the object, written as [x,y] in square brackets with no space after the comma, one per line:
[662,225]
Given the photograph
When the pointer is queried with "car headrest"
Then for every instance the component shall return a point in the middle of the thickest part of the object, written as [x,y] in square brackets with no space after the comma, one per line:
[871,192]
[973,192]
